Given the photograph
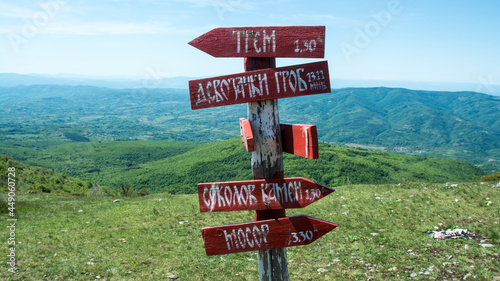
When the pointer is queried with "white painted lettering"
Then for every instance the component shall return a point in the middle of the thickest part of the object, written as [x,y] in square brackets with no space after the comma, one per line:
[290,192]
[238,44]
[247,37]
[302,82]
[293,85]
[249,241]
[257,236]
[265,231]
[239,88]
[217,94]
[208,91]
[261,81]
[267,40]
[220,198]
[230,239]
[257,49]
[318,85]
[229,199]
[201,94]
[208,201]
[277,81]
[241,238]
[221,94]
[253,237]
[294,79]
[252,200]
[226,84]
[285,75]
[238,194]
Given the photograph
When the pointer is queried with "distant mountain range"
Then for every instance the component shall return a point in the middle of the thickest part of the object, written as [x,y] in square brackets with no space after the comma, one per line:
[458,125]
[116,82]
[180,82]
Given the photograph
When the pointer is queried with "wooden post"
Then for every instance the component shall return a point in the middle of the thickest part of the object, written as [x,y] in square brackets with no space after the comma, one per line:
[267,163]
[260,86]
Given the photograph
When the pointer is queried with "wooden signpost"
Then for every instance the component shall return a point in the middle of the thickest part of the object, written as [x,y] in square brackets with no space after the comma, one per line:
[269,193]
[300,140]
[258,85]
[246,134]
[266,234]
[261,194]
[264,41]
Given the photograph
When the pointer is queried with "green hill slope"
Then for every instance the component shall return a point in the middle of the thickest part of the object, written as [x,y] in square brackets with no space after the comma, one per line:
[104,162]
[228,160]
[176,167]
[30,179]
[458,125]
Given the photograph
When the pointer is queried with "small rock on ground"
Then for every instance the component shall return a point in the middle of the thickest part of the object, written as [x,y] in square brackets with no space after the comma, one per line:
[172,276]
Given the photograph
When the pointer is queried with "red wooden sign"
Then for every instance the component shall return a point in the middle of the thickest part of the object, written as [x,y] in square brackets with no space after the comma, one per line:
[267,234]
[246,134]
[259,194]
[257,85]
[264,41]
[300,140]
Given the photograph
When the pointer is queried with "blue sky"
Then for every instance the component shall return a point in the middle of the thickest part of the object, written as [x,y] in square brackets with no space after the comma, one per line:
[402,40]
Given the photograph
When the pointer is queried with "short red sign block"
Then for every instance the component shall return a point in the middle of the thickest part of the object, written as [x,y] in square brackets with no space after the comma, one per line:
[260,194]
[258,85]
[267,234]
[246,134]
[300,140]
[264,41]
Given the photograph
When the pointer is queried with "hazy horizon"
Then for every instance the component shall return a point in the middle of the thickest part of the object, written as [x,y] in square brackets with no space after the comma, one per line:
[451,42]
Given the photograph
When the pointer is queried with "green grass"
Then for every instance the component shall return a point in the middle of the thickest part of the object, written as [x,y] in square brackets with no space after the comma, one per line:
[381,235]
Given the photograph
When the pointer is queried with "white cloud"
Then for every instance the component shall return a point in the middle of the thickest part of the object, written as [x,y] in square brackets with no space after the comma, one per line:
[108,28]
[101,28]
[11,11]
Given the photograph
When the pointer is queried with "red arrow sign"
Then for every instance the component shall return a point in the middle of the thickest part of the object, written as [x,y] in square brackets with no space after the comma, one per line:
[264,41]
[257,85]
[259,194]
[267,234]
[300,140]
[246,134]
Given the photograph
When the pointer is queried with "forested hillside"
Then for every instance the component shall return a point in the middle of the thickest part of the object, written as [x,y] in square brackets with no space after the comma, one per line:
[176,167]
[457,125]
[32,180]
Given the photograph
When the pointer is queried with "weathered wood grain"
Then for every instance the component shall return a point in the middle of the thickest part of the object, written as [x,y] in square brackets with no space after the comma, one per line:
[263,194]
[260,85]
[265,234]
[300,140]
[246,134]
[263,41]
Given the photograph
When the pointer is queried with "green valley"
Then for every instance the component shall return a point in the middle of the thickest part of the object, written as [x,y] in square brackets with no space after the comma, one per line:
[77,150]
[176,167]
[456,125]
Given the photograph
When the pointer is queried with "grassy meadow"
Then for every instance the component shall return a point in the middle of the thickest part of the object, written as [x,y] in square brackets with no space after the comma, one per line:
[381,234]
